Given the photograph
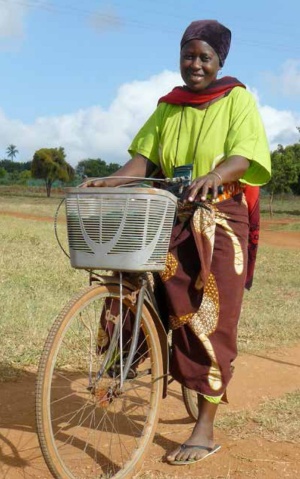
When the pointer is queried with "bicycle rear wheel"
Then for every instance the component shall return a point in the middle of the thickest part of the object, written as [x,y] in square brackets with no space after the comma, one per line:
[90,426]
[190,399]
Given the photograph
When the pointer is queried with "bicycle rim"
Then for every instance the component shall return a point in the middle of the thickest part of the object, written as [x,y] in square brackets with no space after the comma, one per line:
[87,426]
[190,399]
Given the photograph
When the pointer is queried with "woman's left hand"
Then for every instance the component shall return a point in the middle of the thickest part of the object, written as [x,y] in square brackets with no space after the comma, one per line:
[203,185]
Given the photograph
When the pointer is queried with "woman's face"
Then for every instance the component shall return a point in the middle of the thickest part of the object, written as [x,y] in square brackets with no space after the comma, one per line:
[199,64]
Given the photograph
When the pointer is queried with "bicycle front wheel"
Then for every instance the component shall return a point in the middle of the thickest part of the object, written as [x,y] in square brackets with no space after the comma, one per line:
[90,423]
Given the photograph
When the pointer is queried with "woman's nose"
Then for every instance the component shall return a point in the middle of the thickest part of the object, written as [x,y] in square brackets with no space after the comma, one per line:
[197,63]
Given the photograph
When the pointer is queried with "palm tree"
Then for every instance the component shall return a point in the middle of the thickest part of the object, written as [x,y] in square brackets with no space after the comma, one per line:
[11,151]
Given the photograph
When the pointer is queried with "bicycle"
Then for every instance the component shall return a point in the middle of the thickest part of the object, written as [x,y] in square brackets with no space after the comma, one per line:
[104,365]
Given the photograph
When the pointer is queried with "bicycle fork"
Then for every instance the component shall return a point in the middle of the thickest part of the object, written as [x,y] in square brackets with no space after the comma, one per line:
[118,332]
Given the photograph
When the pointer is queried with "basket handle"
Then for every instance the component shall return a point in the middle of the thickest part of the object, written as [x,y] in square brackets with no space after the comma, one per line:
[57,238]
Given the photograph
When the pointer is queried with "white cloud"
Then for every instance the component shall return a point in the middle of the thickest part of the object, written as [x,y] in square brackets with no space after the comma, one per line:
[98,133]
[93,132]
[11,19]
[287,82]
[280,124]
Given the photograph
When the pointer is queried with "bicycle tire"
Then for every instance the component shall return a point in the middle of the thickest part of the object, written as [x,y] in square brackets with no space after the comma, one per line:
[87,431]
[190,399]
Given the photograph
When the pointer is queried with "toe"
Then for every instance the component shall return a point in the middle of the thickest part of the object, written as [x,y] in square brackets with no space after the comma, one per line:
[173,456]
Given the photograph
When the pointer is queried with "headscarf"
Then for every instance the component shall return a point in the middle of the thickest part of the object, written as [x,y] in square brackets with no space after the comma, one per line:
[212,32]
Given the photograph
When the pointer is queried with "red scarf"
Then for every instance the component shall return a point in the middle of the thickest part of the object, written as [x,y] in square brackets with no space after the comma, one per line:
[184,96]
[252,198]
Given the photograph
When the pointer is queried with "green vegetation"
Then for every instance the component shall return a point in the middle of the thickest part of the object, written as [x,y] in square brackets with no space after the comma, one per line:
[95,168]
[49,164]
[49,167]
[285,207]
[275,420]
[270,308]
[270,314]
[36,281]
[11,151]
[285,170]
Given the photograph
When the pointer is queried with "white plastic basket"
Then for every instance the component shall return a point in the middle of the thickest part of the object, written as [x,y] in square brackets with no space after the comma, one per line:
[123,229]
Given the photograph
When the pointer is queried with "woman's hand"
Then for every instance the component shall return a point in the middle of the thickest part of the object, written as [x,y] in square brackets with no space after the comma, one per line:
[203,185]
[94,183]
[232,169]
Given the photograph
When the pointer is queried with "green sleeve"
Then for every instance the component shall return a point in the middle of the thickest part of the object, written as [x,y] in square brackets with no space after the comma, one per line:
[147,140]
[247,137]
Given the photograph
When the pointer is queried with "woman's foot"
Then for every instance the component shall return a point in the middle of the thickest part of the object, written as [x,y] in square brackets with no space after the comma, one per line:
[196,447]
[192,455]
[201,442]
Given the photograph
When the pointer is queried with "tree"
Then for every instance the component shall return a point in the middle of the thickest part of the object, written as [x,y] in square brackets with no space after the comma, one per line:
[24,176]
[95,168]
[11,151]
[50,165]
[11,166]
[294,152]
[284,172]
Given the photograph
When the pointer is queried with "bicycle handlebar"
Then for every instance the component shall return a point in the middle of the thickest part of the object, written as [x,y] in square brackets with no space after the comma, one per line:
[180,182]
[177,179]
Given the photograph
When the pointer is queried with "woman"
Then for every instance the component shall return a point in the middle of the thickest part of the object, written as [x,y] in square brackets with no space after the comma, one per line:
[214,125]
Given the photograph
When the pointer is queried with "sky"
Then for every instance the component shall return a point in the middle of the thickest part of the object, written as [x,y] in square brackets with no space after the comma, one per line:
[85,75]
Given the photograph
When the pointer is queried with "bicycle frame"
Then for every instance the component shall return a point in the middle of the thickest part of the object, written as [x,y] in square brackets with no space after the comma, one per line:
[141,291]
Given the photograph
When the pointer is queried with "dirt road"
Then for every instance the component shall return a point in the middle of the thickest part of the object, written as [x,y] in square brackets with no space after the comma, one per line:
[256,378]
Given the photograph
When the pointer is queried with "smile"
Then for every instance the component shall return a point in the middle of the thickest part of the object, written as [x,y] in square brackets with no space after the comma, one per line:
[196,76]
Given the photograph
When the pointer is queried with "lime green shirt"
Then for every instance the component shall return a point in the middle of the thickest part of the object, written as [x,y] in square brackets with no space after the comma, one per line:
[175,135]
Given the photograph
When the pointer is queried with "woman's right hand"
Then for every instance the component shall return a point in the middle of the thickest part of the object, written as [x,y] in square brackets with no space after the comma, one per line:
[94,183]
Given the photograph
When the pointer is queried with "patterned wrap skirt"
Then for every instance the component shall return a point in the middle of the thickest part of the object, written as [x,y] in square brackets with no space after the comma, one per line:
[200,292]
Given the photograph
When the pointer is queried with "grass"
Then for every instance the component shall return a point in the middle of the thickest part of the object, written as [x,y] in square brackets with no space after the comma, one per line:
[295,226]
[31,205]
[286,206]
[275,420]
[28,191]
[270,311]
[37,280]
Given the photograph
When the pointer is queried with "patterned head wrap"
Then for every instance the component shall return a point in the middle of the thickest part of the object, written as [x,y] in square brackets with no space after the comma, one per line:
[212,32]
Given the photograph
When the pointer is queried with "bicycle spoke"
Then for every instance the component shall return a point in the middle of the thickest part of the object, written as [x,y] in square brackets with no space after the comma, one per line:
[97,426]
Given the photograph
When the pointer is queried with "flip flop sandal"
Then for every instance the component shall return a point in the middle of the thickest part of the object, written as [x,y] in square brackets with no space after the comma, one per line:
[183,447]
